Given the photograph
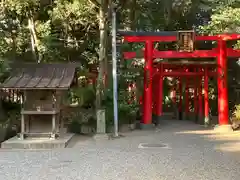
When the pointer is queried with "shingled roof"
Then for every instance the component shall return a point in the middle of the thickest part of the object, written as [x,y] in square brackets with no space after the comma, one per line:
[41,76]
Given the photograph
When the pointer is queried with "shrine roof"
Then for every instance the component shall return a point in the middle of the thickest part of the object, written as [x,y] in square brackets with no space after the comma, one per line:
[146,33]
[40,76]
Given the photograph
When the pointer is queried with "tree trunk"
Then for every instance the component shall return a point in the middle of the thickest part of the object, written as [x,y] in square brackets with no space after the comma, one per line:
[132,15]
[168,14]
[131,21]
[34,39]
[100,87]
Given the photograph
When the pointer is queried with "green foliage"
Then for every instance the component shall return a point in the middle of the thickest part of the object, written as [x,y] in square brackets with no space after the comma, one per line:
[126,111]
[75,127]
[224,20]
[75,23]
[11,106]
[4,70]
[92,122]
[64,29]
[83,96]
[236,112]
[68,31]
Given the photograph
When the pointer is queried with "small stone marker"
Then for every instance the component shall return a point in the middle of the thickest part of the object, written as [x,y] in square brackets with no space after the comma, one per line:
[101,122]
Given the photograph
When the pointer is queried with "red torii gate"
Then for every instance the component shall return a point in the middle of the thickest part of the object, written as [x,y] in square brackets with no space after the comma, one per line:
[209,70]
[221,53]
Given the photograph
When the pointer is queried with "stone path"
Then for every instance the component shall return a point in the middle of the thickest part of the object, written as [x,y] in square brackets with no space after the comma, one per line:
[193,153]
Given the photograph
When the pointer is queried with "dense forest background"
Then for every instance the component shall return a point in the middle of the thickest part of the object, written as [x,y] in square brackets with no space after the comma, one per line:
[79,31]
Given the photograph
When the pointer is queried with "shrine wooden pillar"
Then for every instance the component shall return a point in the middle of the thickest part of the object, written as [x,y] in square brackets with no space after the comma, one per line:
[155,89]
[186,97]
[200,101]
[180,98]
[160,92]
[206,99]
[196,98]
[174,97]
[223,112]
[147,97]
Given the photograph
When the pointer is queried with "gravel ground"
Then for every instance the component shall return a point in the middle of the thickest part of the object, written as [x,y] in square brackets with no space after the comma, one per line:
[192,154]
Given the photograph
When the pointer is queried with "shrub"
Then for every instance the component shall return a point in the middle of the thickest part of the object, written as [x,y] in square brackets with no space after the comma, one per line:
[236,112]
[75,127]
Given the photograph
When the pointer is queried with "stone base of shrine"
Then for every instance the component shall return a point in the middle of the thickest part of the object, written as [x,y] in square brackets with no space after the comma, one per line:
[200,120]
[223,129]
[101,136]
[156,119]
[166,116]
[146,126]
[37,142]
[179,115]
[192,117]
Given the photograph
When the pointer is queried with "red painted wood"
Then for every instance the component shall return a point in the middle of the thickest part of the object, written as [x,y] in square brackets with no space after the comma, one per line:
[167,65]
[222,84]
[228,37]
[233,52]
[179,73]
[200,99]
[221,53]
[155,89]
[180,94]
[174,98]
[148,73]
[196,95]
[151,38]
[129,55]
[195,54]
[160,92]
[224,37]
[187,108]
[206,99]
[176,54]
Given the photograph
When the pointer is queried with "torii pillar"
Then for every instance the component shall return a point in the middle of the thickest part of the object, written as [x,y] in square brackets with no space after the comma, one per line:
[200,102]
[159,96]
[180,99]
[186,114]
[223,111]
[196,99]
[147,96]
[206,99]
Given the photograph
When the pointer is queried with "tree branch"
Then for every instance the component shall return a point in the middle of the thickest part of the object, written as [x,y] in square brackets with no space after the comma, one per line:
[95,3]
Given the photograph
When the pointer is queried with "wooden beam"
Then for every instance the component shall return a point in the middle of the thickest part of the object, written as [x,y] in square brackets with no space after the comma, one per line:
[170,36]
[195,54]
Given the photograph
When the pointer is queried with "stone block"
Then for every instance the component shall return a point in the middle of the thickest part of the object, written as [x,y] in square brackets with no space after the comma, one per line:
[37,143]
[101,121]
[101,137]
[3,132]
[146,126]
[223,129]
[85,129]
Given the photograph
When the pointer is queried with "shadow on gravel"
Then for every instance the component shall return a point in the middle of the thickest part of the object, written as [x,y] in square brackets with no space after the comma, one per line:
[77,139]
[179,130]
[223,142]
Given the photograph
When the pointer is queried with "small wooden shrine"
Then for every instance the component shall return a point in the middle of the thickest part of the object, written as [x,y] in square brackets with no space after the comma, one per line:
[42,87]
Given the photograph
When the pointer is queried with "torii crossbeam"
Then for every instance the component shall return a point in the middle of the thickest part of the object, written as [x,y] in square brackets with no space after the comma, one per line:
[220,53]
